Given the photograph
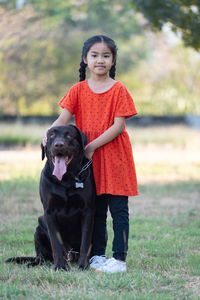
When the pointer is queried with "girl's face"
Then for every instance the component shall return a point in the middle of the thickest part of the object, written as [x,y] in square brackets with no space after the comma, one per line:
[99,59]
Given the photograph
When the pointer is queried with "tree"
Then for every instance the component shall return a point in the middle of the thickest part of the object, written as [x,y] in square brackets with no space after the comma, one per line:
[183,17]
[40,47]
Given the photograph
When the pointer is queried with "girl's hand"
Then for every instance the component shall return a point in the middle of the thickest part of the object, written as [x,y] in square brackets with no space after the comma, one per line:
[63,119]
[89,151]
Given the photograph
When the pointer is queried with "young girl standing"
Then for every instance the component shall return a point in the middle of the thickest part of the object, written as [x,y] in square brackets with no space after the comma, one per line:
[100,106]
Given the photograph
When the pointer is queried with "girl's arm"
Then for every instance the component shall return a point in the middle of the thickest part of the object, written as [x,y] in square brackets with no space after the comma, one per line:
[106,137]
[63,119]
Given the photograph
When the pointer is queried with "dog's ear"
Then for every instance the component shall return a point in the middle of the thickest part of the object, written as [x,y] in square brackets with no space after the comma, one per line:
[83,137]
[43,151]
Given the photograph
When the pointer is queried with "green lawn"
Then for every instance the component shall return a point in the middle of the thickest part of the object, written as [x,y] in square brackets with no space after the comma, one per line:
[164,257]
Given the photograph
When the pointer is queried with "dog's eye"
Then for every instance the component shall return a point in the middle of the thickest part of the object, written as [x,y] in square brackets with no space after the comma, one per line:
[68,136]
[52,135]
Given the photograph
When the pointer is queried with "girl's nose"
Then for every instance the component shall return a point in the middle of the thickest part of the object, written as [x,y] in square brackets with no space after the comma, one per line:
[100,59]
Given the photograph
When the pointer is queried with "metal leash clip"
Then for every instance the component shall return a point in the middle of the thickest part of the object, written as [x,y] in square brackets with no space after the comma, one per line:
[79,184]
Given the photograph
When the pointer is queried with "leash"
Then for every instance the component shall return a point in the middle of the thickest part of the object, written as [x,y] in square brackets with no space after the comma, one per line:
[69,255]
[85,167]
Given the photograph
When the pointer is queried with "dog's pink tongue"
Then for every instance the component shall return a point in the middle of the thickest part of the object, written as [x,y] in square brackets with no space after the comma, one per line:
[59,167]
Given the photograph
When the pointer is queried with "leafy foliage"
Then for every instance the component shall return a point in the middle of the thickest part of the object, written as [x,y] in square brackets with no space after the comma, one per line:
[41,48]
[183,16]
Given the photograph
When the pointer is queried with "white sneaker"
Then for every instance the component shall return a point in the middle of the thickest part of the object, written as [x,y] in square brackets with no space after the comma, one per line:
[97,261]
[112,265]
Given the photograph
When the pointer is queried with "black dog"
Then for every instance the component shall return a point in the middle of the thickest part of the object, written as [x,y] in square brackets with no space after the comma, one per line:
[67,193]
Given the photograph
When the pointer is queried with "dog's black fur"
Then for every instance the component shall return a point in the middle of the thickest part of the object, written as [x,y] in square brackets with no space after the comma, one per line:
[64,232]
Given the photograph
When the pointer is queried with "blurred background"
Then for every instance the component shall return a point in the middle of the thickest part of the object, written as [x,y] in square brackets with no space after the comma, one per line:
[158,58]
[158,61]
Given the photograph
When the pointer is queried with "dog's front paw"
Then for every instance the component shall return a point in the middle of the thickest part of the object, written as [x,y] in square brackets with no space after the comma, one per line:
[61,267]
[83,264]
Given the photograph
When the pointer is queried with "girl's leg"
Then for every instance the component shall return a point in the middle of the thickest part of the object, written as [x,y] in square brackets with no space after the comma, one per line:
[99,239]
[118,206]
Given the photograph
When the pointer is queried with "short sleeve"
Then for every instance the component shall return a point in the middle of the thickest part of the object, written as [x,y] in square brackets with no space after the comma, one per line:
[69,101]
[125,106]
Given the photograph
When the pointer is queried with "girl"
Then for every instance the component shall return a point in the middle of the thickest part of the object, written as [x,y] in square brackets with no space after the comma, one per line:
[100,105]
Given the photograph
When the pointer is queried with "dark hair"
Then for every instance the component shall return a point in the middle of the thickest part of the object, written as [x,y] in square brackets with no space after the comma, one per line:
[86,47]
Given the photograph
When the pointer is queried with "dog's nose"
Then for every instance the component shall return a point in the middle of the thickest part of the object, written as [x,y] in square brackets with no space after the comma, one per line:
[59,145]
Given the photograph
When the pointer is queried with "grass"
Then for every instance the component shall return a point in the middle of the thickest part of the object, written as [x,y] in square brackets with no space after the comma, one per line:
[162,262]
[164,257]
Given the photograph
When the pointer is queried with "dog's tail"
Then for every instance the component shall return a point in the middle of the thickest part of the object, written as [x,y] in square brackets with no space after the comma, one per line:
[27,260]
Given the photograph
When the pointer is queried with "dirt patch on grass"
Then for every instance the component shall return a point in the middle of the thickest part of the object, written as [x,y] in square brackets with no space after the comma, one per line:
[193,284]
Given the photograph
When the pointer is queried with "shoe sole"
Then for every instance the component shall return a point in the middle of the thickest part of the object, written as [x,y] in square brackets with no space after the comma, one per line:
[99,271]
[96,270]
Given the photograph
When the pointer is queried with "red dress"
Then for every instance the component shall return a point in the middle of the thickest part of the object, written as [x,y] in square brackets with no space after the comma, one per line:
[113,165]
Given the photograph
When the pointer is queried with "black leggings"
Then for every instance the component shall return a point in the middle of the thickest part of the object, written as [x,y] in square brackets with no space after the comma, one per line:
[118,206]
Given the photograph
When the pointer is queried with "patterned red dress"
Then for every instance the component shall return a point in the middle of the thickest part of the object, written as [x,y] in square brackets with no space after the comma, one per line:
[113,165]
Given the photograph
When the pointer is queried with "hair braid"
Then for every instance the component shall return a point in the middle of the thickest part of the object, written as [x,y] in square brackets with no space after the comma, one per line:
[112,71]
[82,71]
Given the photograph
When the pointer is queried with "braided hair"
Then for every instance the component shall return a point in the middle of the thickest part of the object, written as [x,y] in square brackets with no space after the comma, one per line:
[86,47]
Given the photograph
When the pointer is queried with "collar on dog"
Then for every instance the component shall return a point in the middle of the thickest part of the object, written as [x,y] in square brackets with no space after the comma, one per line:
[78,183]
